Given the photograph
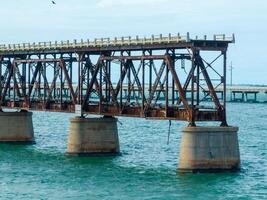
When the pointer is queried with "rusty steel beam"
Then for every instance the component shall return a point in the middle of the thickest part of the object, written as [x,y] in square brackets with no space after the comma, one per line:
[132,81]
[209,83]
[92,82]
[63,67]
[155,113]
[177,83]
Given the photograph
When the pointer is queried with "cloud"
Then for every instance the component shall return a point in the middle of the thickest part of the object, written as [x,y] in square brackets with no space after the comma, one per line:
[108,3]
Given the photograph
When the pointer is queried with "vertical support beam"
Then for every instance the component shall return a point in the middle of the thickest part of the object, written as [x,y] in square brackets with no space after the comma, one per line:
[89,69]
[129,86]
[70,68]
[20,81]
[109,78]
[224,122]
[82,70]
[92,82]
[100,86]
[61,87]
[192,114]
[79,80]
[55,69]
[39,80]
[7,82]
[14,85]
[45,82]
[255,97]
[1,80]
[143,85]
[67,78]
[173,63]
[167,92]
[9,86]
[34,76]
[177,83]
[29,84]
[208,81]
[150,71]
[224,79]
[106,82]
[127,93]
[121,81]
[23,81]
[198,86]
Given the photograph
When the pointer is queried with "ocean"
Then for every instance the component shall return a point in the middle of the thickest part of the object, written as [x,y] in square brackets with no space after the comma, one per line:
[146,168]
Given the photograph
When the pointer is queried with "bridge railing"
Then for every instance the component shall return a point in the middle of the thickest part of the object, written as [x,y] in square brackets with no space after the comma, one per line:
[105,42]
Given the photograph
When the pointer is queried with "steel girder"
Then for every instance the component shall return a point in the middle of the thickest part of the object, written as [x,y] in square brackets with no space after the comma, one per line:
[120,83]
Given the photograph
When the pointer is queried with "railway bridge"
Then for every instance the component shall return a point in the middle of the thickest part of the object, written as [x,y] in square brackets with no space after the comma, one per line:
[123,76]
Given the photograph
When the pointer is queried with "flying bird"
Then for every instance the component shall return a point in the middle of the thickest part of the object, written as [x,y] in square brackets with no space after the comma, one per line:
[53,2]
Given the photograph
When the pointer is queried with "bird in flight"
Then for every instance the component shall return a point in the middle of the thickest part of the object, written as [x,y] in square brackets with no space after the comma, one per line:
[53,2]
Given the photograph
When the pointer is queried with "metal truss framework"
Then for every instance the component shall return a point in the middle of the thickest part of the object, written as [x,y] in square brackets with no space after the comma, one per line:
[143,76]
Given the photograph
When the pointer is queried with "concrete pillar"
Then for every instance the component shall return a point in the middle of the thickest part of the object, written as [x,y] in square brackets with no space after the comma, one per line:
[16,127]
[93,136]
[209,149]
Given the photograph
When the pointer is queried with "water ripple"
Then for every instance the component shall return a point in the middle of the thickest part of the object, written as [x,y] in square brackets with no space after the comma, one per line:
[145,169]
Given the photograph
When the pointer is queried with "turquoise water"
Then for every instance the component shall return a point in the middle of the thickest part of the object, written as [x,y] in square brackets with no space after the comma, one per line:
[145,169]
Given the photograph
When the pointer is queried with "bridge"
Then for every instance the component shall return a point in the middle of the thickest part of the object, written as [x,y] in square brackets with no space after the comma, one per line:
[40,76]
[118,77]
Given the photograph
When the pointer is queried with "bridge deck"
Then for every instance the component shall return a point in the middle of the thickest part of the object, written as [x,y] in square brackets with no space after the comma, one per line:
[121,43]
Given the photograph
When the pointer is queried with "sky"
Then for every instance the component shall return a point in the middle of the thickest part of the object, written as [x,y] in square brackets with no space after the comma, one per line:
[40,20]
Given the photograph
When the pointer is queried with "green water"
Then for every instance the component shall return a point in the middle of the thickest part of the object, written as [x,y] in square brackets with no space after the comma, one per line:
[145,169]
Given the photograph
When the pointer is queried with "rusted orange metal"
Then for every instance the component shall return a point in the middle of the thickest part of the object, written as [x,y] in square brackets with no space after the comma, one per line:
[143,75]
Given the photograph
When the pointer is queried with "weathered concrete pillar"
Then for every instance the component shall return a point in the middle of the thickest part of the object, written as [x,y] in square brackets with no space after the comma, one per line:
[209,149]
[16,127]
[93,136]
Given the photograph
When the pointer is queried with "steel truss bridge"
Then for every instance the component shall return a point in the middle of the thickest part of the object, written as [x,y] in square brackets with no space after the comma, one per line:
[118,77]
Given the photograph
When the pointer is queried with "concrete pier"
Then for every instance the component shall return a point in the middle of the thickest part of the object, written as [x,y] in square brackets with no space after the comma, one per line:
[16,127]
[209,149]
[93,136]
